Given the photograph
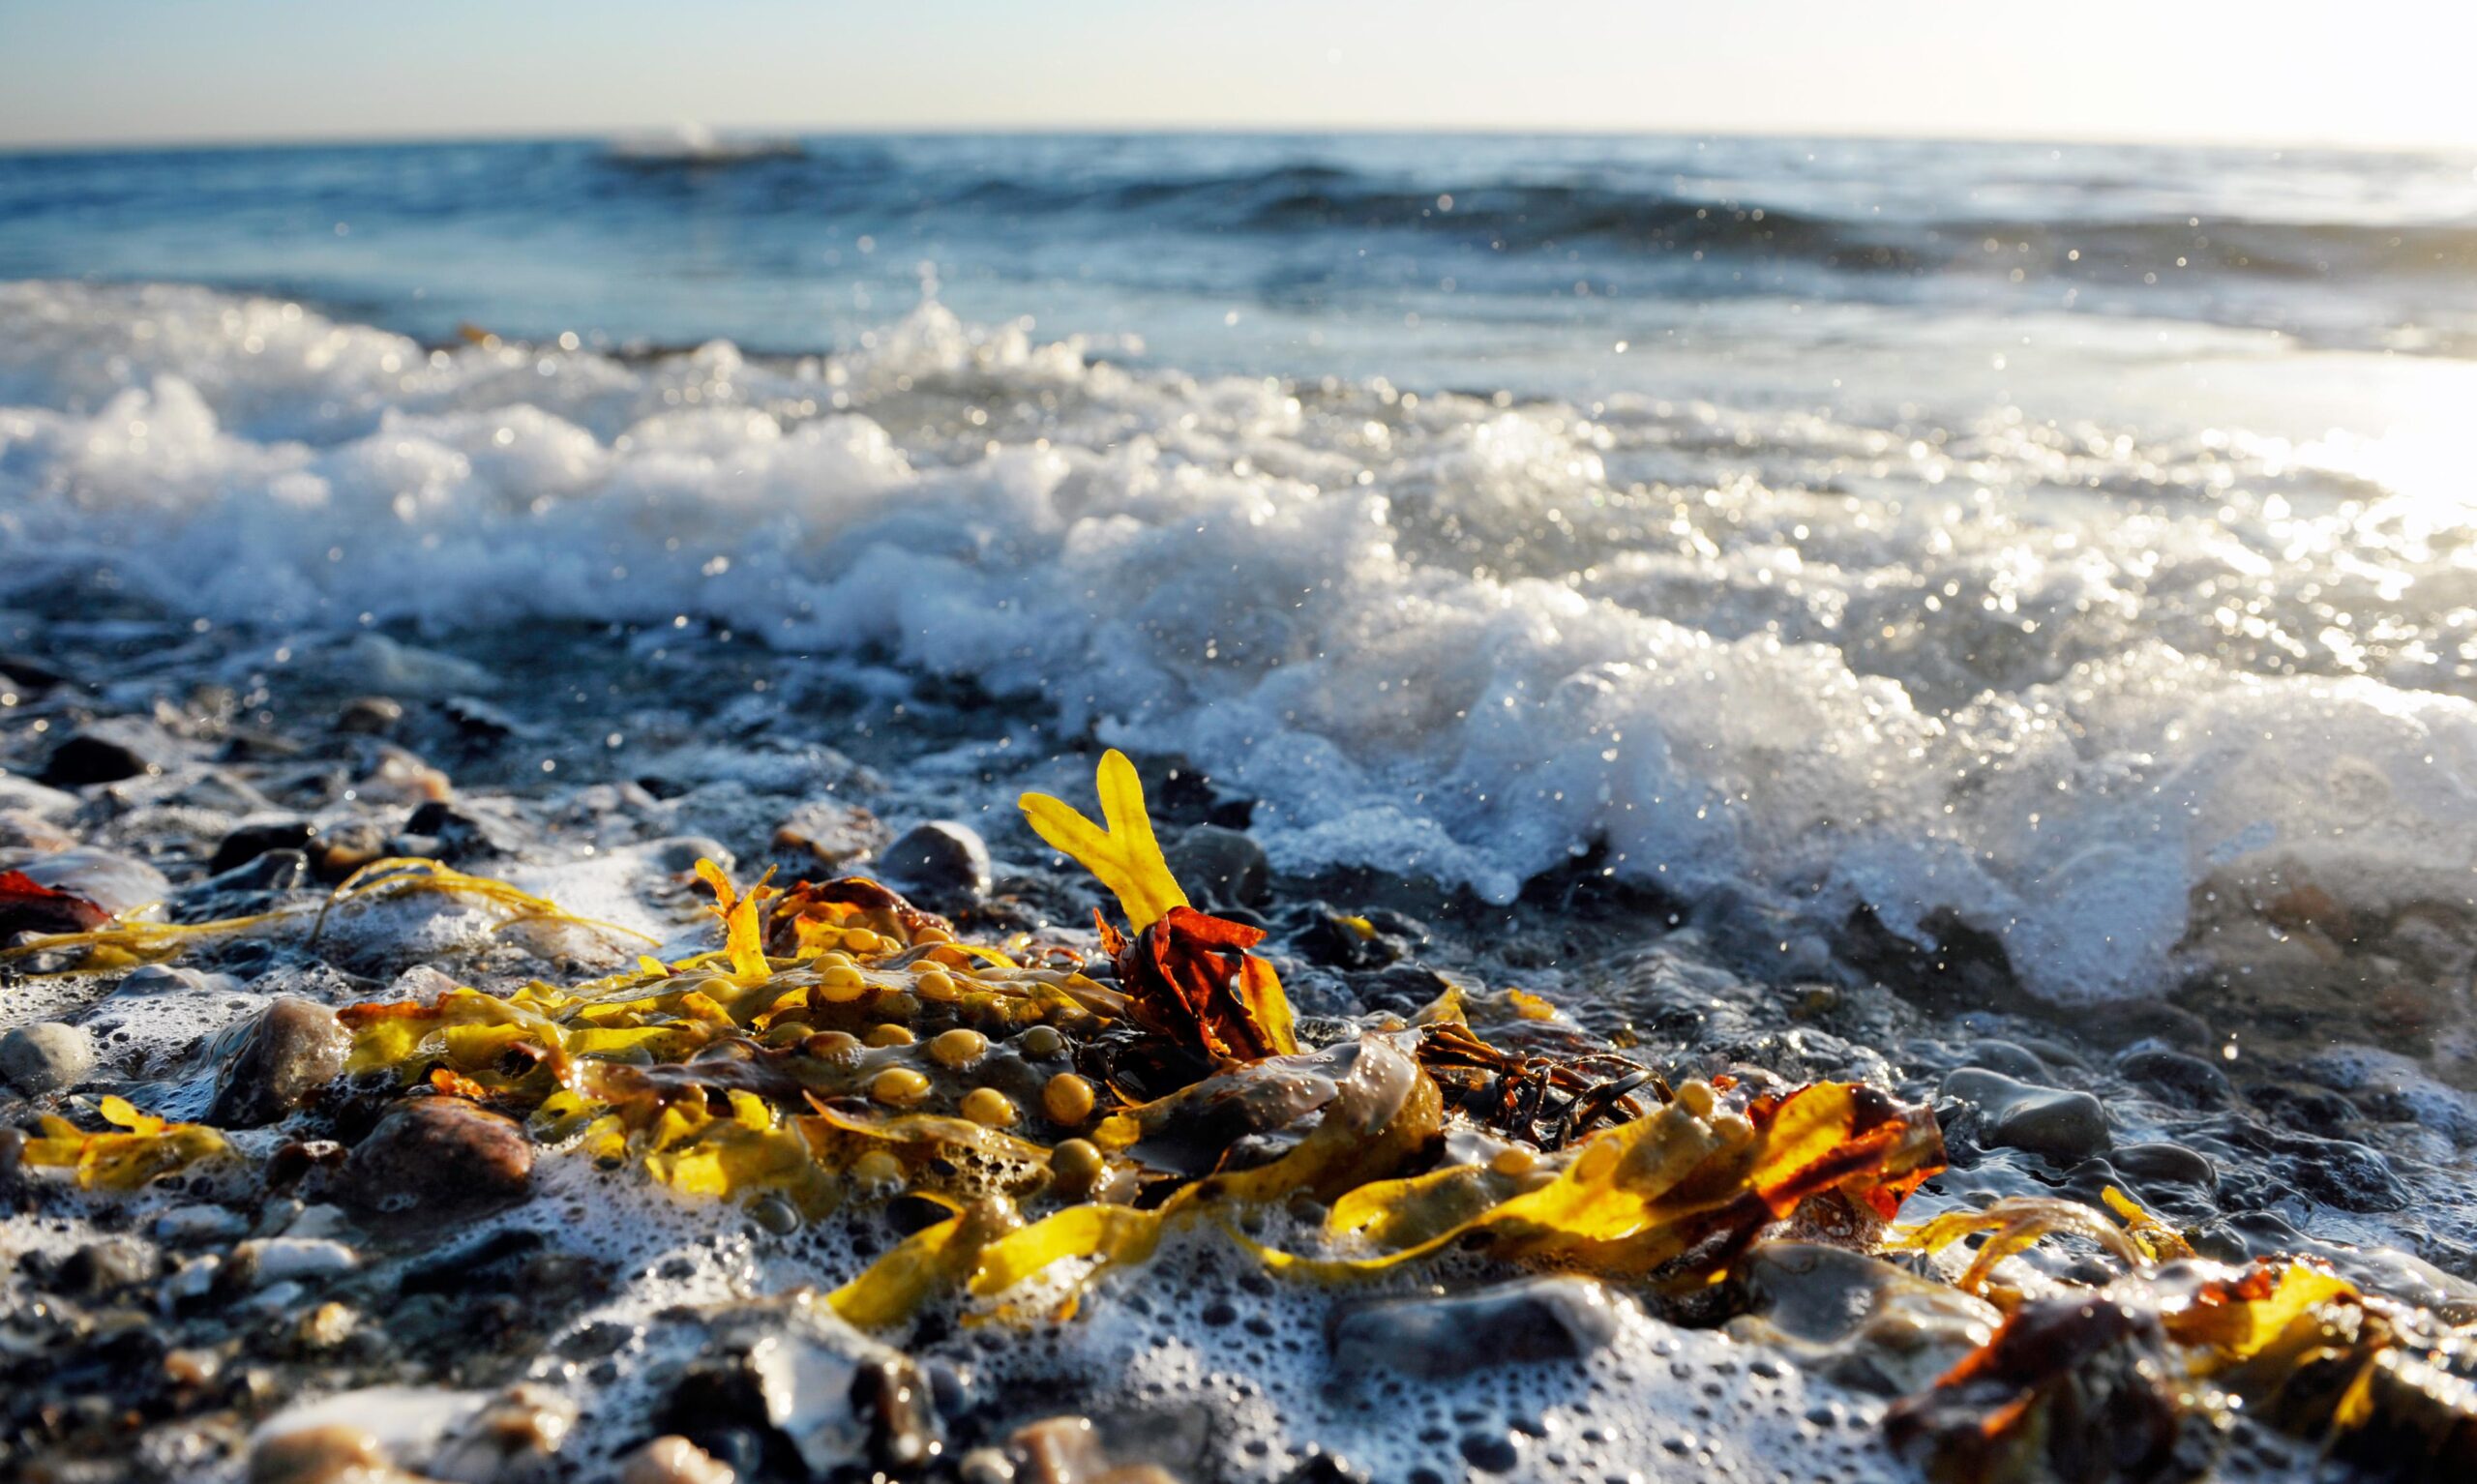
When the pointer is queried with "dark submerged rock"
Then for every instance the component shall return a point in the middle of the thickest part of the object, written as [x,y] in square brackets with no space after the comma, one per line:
[1228,867]
[100,755]
[252,840]
[2186,1080]
[941,860]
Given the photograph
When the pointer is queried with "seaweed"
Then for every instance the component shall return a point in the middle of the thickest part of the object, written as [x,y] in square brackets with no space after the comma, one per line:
[129,939]
[1190,977]
[145,1147]
[27,906]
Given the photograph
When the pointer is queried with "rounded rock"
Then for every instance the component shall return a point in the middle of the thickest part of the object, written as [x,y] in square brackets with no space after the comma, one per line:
[1227,866]
[317,1455]
[674,1459]
[941,859]
[2060,1126]
[288,1050]
[48,1057]
[437,1154]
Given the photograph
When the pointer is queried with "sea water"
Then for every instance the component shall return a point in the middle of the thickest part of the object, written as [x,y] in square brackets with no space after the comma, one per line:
[2070,546]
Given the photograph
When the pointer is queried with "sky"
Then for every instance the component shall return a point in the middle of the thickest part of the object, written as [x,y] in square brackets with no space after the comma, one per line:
[2371,72]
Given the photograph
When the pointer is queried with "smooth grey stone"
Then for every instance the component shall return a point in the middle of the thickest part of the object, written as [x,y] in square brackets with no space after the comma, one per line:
[2064,1127]
[172,979]
[1551,1318]
[45,1058]
[117,884]
[2187,1082]
[2169,1161]
[1226,865]
[2007,1058]
[941,858]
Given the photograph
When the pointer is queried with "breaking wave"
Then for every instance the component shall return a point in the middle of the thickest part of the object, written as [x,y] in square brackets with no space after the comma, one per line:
[2095,699]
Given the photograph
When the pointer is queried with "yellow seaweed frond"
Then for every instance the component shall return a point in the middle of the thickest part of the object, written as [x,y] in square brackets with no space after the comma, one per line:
[1125,857]
[128,945]
[2230,1324]
[148,1147]
[2015,1224]
[405,876]
[1640,1196]
[931,1261]
[744,919]
[2162,1242]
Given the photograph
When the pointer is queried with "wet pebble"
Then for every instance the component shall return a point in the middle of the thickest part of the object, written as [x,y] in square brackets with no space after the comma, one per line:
[109,1265]
[48,1057]
[679,854]
[2065,1127]
[197,1226]
[288,1050]
[337,1453]
[264,873]
[1556,1318]
[105,752]
[22,829]
[438,1154]
[266,1261]
[674,1460]
[171,979]
[2186,1080]
[249,842]
[1226,865]
[2169,1161]
[459,836]
[2008,1058]
[514,1439]
[941,860]
[369,715]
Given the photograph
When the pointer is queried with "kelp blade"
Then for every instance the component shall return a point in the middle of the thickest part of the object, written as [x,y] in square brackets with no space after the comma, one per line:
[1125,856]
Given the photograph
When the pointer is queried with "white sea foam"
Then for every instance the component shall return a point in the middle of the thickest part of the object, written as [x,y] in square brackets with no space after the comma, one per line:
[2049,680]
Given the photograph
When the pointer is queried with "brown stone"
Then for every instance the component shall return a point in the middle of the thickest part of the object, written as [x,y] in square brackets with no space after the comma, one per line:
[433,1155]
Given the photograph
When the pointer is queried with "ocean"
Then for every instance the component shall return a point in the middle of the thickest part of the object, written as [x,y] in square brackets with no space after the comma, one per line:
[2061,547]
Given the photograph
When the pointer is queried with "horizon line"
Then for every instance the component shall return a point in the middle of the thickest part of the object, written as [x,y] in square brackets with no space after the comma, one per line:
[586,133]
